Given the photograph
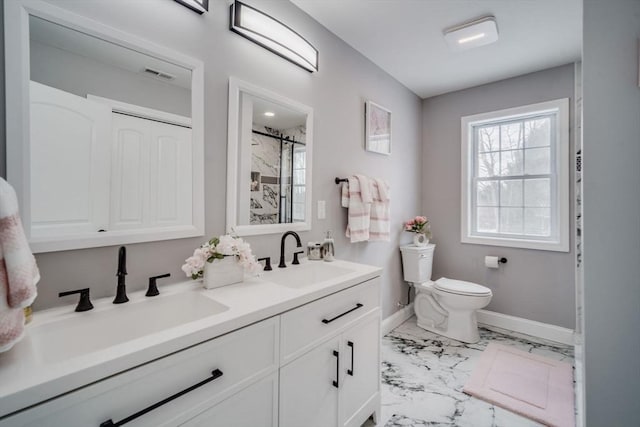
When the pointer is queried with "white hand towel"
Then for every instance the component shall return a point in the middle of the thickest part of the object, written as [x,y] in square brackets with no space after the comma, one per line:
[365,189]
[344,199]
[18,271]
[358,221]
[383,189]
[380,224]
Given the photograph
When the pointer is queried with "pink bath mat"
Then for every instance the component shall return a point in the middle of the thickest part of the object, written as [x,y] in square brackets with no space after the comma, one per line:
[533,386]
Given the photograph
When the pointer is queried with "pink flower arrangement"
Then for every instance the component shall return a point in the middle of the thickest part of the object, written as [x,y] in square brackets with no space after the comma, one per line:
[218,248]
[419,224]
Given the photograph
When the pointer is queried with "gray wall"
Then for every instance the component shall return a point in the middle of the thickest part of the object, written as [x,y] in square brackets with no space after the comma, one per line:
[611,203]
[337,93]
[80,75]
[536,285]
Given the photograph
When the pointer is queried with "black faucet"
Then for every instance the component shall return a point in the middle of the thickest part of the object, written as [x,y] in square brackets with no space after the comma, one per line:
[84,304]
[121,291]
[284,237]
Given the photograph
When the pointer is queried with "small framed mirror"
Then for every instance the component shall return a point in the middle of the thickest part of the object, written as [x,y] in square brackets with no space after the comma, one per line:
[269,161]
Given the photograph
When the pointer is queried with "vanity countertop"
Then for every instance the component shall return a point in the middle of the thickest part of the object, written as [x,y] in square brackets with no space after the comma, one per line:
[28,377]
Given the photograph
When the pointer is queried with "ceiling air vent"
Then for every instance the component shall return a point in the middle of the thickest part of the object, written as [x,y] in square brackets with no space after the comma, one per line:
[159,74]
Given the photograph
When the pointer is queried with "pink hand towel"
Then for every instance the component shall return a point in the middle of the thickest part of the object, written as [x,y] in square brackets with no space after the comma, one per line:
[358,218]
[18,270]
[380,224]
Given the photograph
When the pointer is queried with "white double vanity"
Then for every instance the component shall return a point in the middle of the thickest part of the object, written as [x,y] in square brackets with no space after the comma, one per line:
[272,351]
[297,347]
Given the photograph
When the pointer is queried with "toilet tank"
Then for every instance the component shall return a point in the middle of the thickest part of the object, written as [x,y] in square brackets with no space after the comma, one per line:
[417,262]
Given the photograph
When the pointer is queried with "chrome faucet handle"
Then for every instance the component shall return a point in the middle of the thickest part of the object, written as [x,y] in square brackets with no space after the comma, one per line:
[295,257]
[152,290]
[84,304]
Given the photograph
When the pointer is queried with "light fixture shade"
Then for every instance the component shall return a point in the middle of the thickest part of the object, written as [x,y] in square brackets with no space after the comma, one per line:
[273,35]
[479,32]
[199,6]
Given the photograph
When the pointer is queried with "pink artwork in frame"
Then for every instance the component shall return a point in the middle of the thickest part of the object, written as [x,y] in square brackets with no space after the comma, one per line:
[377,128]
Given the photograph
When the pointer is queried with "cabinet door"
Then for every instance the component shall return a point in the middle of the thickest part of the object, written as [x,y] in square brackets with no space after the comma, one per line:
[152,174]
[130,172]
[308,396]
[360,366]
[170,190]
[255,406]
[70,160]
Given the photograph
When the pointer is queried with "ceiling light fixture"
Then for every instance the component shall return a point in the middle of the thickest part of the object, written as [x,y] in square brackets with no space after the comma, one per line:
[472,38]
[199,6]
[479,32]
[273,35]
[269,114]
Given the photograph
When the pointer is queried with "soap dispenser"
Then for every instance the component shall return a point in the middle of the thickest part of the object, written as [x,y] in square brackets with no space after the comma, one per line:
[328,249]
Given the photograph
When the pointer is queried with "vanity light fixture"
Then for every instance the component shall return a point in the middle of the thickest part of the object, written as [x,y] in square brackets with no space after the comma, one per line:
[199,6]
[273,35]
[479,32]
[269,114]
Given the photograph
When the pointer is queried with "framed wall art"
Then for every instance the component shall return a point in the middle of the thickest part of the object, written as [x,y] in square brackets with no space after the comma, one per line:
[377,128]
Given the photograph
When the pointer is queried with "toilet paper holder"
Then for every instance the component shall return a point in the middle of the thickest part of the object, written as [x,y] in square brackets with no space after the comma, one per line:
[494,261]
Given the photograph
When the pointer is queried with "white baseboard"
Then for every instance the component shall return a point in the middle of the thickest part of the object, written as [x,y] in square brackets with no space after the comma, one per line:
[396,319]
[525,326]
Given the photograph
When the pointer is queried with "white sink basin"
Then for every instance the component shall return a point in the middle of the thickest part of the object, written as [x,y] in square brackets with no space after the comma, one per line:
[103,327]
[305,274]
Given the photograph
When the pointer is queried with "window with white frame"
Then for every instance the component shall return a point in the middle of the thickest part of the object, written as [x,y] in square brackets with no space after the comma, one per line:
[515,177]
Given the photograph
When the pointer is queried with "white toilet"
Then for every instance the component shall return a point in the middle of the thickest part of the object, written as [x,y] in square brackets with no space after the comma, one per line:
[446,307]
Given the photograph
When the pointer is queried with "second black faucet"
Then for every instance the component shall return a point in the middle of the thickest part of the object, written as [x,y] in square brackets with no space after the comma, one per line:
[284,237]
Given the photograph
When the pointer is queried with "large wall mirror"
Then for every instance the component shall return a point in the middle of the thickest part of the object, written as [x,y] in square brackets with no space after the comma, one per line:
[104,132]
[269,161]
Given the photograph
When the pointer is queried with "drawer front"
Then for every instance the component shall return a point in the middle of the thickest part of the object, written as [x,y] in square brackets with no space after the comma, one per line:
[241,357]
[255,406]
[306,326]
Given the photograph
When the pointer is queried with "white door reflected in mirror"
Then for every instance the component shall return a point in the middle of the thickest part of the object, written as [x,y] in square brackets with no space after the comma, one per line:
[113,151]
[269,162]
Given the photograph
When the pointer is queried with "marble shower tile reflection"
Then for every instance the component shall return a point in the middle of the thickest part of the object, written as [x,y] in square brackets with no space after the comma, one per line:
[270,195]
[423,375]
[265,155]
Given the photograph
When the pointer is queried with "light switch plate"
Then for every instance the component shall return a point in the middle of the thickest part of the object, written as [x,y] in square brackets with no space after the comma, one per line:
[322,211]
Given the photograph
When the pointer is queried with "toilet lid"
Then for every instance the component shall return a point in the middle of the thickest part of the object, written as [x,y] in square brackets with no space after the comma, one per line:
[461,287]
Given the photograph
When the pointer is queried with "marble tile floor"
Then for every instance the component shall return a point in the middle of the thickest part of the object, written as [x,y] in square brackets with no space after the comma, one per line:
[423,375]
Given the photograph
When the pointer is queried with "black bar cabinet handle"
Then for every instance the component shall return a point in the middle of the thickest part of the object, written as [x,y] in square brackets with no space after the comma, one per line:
[350,371]
[336,383]
[358,305]
[217,373]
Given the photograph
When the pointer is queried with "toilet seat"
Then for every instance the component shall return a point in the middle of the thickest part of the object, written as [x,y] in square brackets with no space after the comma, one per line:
[460,287]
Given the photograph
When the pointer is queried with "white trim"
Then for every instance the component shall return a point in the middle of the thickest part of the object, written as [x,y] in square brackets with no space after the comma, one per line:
[17,80]
[561,243]
[112,238]
[396,319]
[525,326]
[142,112]
[236,86]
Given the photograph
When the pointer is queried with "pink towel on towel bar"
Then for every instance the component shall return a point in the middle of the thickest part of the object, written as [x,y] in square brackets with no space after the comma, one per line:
[359,210]
[18,270]
[380,225]
[368,203]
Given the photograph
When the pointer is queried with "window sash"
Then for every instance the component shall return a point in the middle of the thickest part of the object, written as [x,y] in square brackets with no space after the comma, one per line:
[554,228]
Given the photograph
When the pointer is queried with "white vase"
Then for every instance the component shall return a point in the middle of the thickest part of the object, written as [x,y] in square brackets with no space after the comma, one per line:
[420,239]
[222,272]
